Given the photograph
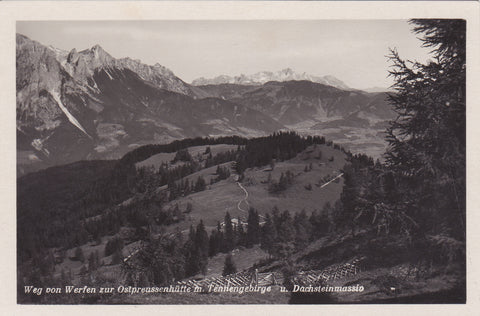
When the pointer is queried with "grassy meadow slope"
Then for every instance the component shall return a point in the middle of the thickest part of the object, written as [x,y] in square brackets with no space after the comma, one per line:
[212,204]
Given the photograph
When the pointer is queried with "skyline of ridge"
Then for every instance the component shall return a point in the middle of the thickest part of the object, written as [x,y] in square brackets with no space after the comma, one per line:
[212,48]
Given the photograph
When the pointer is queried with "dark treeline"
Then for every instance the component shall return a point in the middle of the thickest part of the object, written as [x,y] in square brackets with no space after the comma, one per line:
[222,173]
[167,258]
[221,157]
[144,152]
[277,147]
[51,205]
[148,179]
[278,233]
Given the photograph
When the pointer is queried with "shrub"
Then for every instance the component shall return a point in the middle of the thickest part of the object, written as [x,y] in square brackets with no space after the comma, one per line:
[113,245]
[79,255]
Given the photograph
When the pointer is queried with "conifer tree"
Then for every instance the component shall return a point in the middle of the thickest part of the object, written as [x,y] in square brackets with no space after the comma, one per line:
[92,264]
[427,139]
[229,237]
[201,247]
[220,238]
[302,229]
[269,235]
[253,228]
[200,184]
[229,266]
[241,235]
[191,254]
[79,254]
[212,244]
[117,257]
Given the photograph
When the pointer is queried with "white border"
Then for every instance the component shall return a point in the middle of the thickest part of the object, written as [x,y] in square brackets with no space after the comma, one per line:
[10,12]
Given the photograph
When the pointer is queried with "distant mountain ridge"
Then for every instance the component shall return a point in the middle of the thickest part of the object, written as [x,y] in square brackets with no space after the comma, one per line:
[378,89]
[88,105]
[259,78]
[353,118]
[293,102]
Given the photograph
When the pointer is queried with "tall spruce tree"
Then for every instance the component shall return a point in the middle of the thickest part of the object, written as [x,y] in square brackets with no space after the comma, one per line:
[201,247]
[229,237]
[191,254]
[427,139]
[253,228]
[269,235]
[229,266]
[303,229]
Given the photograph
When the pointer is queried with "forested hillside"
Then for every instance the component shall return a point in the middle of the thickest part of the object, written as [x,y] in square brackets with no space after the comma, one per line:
[63,208]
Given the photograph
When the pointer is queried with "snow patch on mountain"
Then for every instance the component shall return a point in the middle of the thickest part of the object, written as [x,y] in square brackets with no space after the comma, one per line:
[108,74]
[266,76]
[37,143]
[70,117]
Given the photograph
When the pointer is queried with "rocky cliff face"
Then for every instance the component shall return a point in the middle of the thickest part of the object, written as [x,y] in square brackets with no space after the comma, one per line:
[159,76]
[82,65]
[46,124]
[38,72]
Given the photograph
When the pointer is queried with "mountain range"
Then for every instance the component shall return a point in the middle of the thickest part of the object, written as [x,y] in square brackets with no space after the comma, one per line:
[76,105]
[260,78]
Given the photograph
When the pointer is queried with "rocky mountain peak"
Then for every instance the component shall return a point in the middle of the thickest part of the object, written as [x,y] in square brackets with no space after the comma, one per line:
[82,65]
[72,56]
[97,57]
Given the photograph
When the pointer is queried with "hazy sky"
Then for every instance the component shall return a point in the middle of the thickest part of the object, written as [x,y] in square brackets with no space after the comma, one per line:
[351,50]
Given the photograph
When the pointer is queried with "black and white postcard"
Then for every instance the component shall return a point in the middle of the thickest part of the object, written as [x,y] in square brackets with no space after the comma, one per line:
[276,153]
